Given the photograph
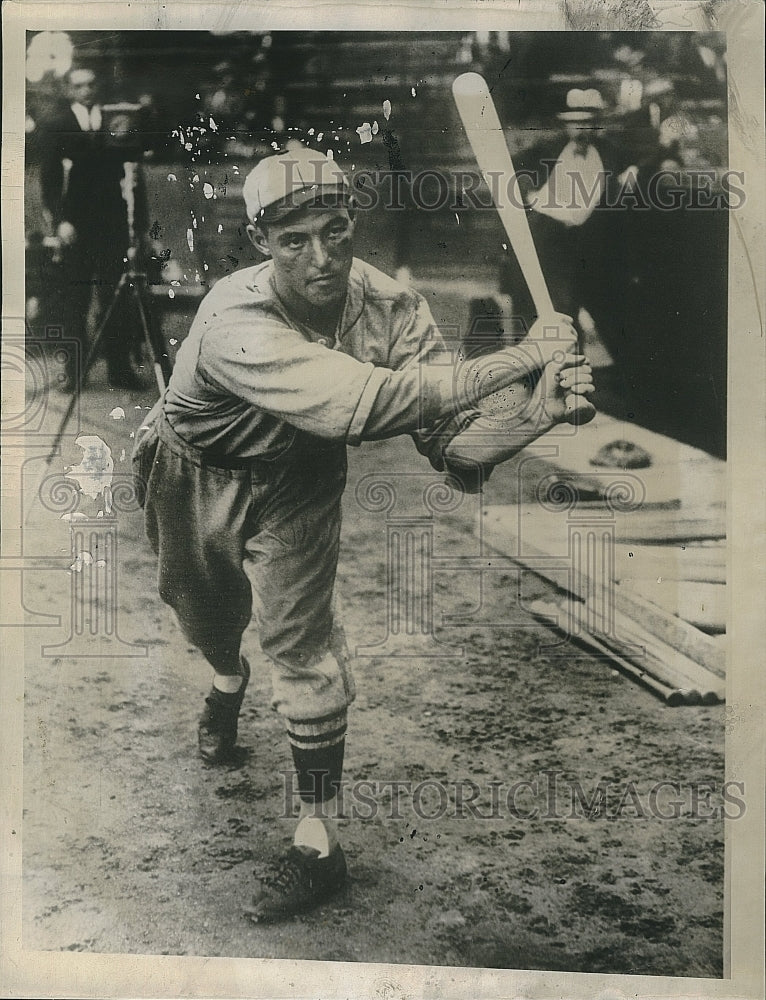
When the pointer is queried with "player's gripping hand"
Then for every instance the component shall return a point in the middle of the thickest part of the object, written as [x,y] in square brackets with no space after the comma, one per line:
[564,382]
[551,336]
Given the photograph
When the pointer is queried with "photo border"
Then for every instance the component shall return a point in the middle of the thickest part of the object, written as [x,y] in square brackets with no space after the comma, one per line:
[26,973]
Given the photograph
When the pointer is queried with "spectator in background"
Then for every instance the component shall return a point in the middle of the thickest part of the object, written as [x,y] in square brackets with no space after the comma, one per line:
[85,197]
[565,180]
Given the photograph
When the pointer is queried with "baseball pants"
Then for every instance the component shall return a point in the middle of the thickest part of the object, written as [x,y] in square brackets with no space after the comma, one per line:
[282,517]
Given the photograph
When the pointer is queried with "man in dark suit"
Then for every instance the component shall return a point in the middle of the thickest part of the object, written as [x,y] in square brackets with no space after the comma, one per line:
[566,181]
[84,189]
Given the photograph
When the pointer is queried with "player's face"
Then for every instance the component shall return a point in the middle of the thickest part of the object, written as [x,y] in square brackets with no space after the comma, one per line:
[312,252]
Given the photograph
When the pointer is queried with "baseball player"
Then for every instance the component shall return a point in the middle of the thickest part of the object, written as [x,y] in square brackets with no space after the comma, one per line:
[285,365]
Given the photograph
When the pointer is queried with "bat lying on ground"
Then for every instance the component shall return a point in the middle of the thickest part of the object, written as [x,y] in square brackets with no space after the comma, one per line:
[485,133]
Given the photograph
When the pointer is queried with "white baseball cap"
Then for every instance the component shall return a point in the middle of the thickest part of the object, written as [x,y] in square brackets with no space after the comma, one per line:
[279,184]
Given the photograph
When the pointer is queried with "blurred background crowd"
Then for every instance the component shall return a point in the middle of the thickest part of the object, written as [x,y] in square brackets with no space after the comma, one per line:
[193,111]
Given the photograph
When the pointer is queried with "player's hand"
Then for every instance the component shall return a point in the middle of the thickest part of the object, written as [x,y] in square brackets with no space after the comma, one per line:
[569,377]
[66,234]
[550,337]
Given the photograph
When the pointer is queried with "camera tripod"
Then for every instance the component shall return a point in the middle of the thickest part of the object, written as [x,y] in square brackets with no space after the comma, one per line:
[134,285]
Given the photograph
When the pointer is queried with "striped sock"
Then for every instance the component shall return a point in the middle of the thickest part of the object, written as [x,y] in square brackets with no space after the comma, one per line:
[317,746]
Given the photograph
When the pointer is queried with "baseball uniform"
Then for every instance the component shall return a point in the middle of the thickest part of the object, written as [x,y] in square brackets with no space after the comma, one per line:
[251,457]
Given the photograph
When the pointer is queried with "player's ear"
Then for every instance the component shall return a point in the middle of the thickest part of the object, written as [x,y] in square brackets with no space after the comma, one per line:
[259,239]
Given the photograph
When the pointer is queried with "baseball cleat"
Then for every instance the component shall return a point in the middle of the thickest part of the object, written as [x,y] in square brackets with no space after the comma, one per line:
[217,729]
[297,883]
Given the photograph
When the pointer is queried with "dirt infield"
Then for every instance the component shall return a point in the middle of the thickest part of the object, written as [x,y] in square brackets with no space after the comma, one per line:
[132,845]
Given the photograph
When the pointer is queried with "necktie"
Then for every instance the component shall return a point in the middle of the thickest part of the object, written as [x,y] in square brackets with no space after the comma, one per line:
[92,119]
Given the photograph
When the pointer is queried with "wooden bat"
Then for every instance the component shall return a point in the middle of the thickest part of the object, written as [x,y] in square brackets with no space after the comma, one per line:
[485,133]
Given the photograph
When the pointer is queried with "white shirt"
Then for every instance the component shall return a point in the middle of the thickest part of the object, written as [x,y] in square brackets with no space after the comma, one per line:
[90,121]
[574,187]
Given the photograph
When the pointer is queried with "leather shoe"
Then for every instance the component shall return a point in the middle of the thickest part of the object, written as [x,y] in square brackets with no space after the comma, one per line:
[217,729]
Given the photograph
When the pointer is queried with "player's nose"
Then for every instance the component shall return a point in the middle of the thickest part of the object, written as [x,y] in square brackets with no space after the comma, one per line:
[319,255]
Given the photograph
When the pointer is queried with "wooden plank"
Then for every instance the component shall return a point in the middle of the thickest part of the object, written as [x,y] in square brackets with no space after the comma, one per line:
[705,563]
[628,641]
[664,662]
[654,526]
[536,522]
[678,472]
[539,541]
[700,604]
[549,612]
[686,638]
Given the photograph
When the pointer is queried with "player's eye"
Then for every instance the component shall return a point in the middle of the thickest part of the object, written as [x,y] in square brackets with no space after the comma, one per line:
[294,241]
[337,230]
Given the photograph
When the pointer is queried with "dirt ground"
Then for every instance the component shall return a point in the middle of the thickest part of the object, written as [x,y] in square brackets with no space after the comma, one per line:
[132,845]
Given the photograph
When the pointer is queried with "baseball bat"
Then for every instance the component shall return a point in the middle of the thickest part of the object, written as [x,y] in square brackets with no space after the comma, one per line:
[485,134]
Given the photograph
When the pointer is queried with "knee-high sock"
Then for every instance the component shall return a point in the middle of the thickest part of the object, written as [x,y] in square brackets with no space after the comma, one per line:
[317,746]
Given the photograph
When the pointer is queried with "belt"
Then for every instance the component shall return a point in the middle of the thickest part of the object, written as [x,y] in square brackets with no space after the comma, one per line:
[302,452]
[227,461]
[203,456]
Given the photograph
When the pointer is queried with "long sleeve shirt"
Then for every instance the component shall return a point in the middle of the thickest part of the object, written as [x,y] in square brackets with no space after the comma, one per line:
[249,377]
